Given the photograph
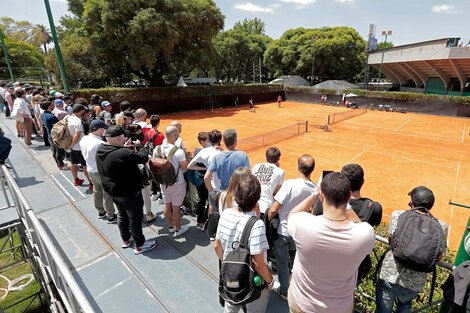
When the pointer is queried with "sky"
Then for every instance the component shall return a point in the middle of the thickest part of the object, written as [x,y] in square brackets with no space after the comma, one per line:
[409,20]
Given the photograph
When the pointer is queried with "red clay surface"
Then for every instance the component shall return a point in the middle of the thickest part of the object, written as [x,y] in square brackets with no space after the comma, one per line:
[397,151]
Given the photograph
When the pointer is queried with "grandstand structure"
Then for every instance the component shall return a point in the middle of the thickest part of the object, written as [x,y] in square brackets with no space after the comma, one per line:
[440,66]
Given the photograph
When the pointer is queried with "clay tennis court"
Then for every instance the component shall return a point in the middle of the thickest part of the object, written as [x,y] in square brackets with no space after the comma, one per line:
[397,151]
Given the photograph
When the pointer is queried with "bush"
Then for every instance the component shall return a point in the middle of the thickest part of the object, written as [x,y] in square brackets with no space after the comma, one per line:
[366,305]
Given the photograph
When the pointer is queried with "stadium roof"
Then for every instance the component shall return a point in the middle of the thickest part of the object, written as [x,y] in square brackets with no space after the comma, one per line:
[290,80]
[338,85]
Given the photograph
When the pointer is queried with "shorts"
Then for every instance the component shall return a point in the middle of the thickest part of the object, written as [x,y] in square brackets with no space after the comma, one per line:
[76,157]
[174,194]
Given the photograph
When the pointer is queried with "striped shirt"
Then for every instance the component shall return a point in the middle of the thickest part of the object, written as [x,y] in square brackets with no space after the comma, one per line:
[230,229]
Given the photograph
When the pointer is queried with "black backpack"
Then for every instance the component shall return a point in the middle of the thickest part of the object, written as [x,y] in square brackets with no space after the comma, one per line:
[236,281]
[150,140]
[417,240]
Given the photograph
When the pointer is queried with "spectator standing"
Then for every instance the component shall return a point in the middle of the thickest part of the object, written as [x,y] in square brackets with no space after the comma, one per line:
[397,283]
[5,147]
[121,178]
[270,176]
[173,196]
[89,145]
[330,248]
[291,193]
[105,115]
[48,121]
[22,107]
[76,131]
[231,225]
[59,110]
[9,98]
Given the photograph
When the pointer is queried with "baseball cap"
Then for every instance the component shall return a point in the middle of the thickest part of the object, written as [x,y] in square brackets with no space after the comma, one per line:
[115,131]
[58,102]
[10,86]
[52,93]
[422,196]
[78,107]
[59,95]
[105,103]
[97,124]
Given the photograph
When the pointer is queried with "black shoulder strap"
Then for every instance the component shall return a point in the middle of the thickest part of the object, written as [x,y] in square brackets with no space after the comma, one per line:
[247,231]
[365,208]
[153,137]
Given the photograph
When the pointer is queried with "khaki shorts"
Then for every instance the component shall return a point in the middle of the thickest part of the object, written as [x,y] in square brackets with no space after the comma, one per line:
[174,194]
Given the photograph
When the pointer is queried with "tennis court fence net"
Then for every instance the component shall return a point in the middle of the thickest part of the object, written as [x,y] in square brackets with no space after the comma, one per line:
[341,116]
[269,138]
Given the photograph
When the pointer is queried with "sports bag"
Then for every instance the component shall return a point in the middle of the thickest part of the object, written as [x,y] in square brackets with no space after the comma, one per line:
[236,283]
[417,240]
[60,134]
[163,171]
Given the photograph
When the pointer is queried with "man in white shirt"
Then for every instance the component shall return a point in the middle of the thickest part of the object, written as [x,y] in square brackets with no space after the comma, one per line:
[270,176]
[75,126]
[291,193]
[179,142]
[173,196]
[88,146]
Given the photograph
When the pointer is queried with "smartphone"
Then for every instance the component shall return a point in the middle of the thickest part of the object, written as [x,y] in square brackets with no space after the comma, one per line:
[326,173]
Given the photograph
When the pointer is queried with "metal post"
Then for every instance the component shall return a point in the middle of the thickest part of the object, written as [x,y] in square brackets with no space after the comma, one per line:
[7,57]
[260,70]
[313,65]
[58,51]
[386,33]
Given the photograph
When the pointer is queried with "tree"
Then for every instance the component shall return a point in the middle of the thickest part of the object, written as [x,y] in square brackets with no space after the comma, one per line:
[20,30]
[22,55]
[385,45]
[41,36]
[238,49]
[337,53]
[152,39]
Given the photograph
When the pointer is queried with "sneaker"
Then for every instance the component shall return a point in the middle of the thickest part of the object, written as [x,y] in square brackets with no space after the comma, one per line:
[212,238]
[278,291]
[112,220]
[183,229]
[147,246]
[150,217]
[64,167]
[90,186]
[102,216]
[126,244]
[172,229]
[184,210]
[156,196]
[160,201]
[201,226]
[78,182]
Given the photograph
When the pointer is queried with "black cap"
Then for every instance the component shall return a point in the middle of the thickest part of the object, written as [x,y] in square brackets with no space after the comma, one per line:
[422,196]
[97,124]
[115,131]
[78,108]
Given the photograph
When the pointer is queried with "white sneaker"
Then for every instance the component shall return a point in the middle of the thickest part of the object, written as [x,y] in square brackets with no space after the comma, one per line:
[147,246]
[150,217]
[183,229]
[156,196]
[160,201]
[172,229]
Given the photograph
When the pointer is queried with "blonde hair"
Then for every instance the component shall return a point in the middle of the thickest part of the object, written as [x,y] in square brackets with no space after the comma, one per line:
[37,99]
[237,175]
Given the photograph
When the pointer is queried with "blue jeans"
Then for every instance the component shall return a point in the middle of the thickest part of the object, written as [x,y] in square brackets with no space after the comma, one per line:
[283,245]
[387,294]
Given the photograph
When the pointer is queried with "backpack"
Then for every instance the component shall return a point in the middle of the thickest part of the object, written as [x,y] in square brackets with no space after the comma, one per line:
[236,281]
[149,144]
[271,228]
[417,240]
[195,177]
[60,134]
[163,171]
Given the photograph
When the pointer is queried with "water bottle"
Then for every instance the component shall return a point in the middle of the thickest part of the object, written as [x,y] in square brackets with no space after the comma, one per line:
[257,280]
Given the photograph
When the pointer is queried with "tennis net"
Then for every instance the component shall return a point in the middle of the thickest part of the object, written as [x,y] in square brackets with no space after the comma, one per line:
[258,141]
[341,116]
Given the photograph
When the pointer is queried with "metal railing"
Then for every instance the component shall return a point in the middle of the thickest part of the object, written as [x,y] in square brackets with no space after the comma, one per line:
[63,291]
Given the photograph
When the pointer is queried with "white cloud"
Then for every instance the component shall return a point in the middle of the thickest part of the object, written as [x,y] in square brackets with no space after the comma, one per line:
[300,2]
[250,7]
[443,8]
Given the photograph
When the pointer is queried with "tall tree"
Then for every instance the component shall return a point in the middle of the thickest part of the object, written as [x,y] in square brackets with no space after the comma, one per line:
[22,55]
[335,52]
[151,38]
[20,30]
[41,36]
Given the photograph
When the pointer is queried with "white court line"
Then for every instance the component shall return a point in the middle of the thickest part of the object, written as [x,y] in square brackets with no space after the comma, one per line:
[72,185]
[357,156]
[453,196]
[63,189]
[402,125]
[463,132]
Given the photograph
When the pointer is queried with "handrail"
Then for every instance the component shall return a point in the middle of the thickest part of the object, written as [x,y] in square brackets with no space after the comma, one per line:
[71,294]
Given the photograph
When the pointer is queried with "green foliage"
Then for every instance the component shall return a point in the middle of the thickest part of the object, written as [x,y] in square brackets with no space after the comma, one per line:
[237,49]
[337,53]
[136,94]
[151,39]
[22,54]
[385,45]
[367,305]
[459,101]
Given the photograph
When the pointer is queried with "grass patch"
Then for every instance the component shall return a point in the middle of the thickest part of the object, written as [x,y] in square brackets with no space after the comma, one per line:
[14,266]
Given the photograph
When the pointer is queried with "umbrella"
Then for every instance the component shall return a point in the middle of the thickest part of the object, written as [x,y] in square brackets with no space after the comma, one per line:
[351,95]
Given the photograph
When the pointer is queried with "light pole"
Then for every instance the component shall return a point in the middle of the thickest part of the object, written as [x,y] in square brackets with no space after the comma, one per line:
[7,58]
[313,60]
[58,51]
[386,34]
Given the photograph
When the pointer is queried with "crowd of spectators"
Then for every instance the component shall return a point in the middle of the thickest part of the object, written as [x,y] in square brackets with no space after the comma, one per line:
[325,229]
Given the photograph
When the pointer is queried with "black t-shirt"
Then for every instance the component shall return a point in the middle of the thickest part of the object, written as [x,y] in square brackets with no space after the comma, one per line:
[356,204]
